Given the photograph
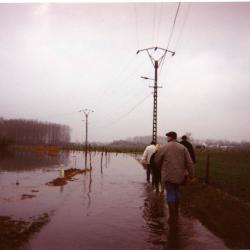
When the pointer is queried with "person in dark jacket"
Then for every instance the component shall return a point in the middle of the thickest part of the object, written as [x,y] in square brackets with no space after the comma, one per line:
[189,147]
[156,172]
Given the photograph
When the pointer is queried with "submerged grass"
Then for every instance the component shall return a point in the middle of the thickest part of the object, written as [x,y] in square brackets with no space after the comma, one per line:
[15,233]
[68,174]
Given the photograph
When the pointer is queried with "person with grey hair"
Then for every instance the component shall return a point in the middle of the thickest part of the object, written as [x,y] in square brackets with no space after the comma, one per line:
[174,161]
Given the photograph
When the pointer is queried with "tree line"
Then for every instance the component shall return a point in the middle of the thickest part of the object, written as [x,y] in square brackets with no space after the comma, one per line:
[22,131]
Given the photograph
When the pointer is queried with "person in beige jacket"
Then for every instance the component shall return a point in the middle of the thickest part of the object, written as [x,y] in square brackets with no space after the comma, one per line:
[148,152]
[174,162]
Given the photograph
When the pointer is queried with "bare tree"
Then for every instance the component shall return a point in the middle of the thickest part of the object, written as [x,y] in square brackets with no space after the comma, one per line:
[22,131]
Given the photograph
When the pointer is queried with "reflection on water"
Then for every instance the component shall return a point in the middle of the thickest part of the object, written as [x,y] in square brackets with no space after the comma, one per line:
[110,207]
[186,233]
[161,234]
[154,213]
[101,212]
[25,161]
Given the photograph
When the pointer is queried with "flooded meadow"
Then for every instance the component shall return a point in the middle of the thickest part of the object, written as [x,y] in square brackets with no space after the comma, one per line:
[110,206]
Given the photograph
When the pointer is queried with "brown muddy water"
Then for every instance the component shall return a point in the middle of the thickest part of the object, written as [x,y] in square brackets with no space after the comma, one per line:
[110,207]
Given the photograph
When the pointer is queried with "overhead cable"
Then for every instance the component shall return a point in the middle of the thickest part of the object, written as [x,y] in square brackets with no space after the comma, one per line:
[182,26]
[171,33]
[128,112]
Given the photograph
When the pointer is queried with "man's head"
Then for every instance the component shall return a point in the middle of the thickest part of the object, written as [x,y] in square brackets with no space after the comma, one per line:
[152,143]
[184,138]
[171,136]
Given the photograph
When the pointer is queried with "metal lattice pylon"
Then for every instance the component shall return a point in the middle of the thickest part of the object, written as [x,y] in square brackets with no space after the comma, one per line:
[156,64]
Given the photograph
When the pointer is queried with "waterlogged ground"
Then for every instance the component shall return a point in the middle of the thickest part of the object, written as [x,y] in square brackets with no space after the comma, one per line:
[110,207]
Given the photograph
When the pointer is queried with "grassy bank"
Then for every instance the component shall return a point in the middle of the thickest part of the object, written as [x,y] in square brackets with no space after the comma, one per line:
[223,214]
[223,206]
[229,171]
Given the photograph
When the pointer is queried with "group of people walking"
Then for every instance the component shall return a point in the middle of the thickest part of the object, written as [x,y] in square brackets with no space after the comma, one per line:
[169,165]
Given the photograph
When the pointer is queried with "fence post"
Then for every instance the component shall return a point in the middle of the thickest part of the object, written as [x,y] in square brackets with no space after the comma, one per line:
[90,160]
[207,168]
[101,161]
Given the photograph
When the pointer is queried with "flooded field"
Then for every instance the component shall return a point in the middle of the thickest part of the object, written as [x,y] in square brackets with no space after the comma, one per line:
[110,207]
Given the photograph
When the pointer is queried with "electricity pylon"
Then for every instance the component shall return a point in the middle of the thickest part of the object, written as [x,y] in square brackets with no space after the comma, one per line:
[156,64]
[86,113]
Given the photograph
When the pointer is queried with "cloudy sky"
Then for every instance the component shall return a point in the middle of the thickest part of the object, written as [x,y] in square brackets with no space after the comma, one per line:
[56,59]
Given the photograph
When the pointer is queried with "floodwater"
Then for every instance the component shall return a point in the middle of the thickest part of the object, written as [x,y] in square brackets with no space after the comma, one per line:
[110,207]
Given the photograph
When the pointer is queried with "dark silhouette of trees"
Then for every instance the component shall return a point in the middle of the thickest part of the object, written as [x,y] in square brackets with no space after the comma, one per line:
[21,131]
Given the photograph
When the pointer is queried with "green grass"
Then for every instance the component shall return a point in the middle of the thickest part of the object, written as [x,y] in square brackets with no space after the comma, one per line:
[229,171]
[225,216]
[223,206]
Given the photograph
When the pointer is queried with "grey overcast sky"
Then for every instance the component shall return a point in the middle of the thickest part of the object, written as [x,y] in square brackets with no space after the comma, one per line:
[56,59]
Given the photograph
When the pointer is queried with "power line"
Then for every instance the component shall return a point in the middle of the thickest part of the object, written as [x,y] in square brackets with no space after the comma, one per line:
[116,76]
[128,112]
[172,30]
[171,33]
[183,24]
[128,96]
[107,99]
[102,97]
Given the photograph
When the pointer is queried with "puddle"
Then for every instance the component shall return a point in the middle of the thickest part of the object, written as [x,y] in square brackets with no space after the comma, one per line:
[110,207]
